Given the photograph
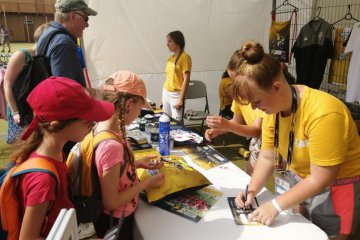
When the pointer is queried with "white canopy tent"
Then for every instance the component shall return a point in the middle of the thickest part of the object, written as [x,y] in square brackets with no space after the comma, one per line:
[131,35]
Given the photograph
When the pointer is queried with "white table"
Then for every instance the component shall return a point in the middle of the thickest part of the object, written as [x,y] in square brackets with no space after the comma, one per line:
[155,223]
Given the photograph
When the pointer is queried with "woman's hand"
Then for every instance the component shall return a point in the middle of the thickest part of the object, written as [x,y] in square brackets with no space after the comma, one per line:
[211,133]
[178,105]
[217,122]
[149,162]
[264,214]
[240,199]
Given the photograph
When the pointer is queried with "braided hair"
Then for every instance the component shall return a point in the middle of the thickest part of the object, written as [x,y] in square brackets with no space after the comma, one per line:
[119,100]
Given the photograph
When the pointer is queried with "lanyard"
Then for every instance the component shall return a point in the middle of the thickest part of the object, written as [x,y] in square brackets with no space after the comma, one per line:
[291,134]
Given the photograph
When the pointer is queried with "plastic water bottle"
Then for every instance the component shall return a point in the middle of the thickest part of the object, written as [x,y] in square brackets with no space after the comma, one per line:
[164,135]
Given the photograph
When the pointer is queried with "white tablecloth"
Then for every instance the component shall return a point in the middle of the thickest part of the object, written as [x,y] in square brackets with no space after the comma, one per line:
[155,223]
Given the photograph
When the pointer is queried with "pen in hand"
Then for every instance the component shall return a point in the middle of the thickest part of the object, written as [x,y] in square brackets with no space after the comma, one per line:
[245,195]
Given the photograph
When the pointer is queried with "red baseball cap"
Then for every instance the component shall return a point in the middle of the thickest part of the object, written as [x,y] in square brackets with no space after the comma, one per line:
[61,98]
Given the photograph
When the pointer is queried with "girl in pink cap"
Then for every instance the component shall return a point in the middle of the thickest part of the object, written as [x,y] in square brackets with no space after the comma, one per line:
[63,112]
[128,93]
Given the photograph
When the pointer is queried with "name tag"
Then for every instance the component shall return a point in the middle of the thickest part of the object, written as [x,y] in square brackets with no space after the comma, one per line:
[284,181]
[282,184]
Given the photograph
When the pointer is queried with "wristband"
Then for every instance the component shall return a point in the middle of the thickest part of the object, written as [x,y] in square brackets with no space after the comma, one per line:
[276,206]
[14,113]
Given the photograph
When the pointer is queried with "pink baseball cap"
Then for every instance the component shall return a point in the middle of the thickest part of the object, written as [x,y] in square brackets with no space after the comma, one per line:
[126,81]
[61,98]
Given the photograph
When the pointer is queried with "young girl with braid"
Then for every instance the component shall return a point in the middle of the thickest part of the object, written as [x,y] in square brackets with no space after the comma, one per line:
[127,92]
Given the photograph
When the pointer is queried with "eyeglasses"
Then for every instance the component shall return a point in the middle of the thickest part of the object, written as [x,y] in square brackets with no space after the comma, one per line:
[86,18]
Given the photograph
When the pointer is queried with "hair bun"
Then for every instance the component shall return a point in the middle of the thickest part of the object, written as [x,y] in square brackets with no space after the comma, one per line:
[253,52]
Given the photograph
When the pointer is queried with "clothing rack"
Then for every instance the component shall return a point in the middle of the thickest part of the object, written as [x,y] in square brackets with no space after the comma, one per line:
[285,4]
[348,16]
[341,13]
[318,10]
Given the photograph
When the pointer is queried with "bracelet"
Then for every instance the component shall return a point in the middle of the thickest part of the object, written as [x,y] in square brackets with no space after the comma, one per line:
[14,113]
[276,206]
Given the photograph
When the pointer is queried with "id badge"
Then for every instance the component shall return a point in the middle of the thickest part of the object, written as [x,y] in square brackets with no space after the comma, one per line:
[283,182]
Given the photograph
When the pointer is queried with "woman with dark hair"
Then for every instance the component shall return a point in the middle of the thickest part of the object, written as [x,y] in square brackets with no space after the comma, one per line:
[317,137]
[178,69]
[16,63]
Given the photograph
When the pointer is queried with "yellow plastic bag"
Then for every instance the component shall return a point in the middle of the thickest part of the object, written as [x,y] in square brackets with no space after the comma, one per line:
[180,178]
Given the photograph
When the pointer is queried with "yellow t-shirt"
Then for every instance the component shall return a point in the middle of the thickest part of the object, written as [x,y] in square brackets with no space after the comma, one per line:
[174,73]
[339,65]
[247,112]
[224,100]
[325,135]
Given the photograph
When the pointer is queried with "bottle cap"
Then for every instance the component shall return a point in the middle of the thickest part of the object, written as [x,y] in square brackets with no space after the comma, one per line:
[164,118]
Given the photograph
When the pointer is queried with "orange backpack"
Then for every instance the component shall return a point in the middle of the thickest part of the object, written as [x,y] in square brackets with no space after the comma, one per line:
[10,209]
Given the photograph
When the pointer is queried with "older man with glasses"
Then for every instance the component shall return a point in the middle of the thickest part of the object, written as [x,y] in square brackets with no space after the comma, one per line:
[71,18]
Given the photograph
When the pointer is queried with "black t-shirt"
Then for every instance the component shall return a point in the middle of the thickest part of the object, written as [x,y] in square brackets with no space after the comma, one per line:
[311,50]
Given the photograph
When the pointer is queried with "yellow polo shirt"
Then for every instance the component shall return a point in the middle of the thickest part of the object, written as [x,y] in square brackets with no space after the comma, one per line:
[174,73]
[325,135]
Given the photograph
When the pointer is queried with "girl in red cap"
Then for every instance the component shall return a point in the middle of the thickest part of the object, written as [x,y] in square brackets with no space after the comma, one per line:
[128,93]
[63,112]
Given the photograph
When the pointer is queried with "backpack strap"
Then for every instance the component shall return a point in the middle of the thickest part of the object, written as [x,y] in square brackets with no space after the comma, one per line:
[28,57]
[44,47]
[9,203]
[107,135]
[37,164]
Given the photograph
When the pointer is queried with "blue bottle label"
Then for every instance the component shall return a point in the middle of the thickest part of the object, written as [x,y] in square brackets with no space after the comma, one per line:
[164,138]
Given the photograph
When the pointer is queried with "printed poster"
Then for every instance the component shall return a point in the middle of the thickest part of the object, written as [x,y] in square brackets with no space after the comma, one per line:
[192,206]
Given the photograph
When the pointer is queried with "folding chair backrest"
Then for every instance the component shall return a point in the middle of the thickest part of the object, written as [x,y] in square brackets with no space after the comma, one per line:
[196,89]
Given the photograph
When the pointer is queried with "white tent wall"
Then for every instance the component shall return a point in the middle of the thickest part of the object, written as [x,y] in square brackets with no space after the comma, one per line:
[131,34]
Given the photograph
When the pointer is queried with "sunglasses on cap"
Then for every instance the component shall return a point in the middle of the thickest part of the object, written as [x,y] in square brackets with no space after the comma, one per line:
[86,18]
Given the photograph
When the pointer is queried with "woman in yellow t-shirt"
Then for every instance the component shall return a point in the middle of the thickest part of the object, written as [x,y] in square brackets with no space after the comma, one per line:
[225,96]
[316,135]
[178,69]
[245,122]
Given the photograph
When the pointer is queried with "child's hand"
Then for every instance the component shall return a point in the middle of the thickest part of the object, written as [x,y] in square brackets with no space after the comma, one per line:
[156,181]
[149,162]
